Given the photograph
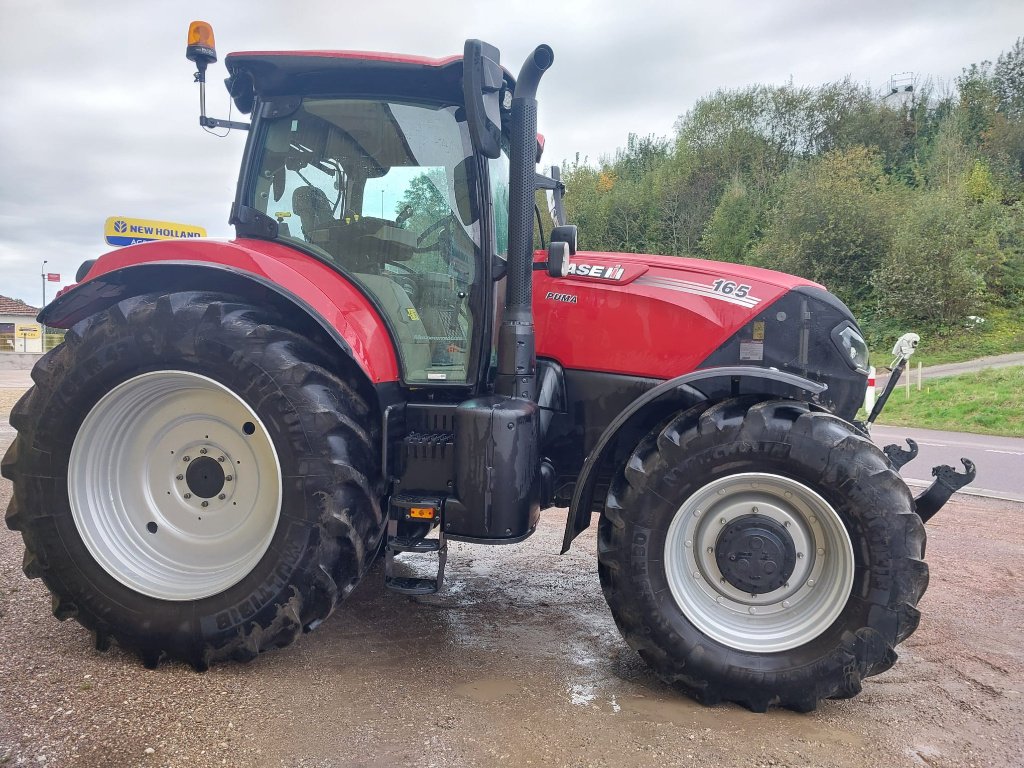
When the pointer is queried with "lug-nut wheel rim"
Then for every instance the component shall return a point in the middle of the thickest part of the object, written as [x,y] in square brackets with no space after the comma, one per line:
[752,527]
[174,485]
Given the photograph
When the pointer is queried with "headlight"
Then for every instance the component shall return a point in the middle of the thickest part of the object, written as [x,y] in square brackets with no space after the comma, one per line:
[852,346]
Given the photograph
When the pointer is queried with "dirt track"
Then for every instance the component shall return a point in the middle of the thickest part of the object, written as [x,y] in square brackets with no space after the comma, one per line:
[516,663]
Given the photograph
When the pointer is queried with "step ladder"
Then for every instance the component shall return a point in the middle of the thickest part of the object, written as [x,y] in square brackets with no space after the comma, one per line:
[396,545]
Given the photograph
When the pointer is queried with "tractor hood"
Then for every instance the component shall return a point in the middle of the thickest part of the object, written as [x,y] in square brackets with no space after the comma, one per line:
[624,268]
[661,317]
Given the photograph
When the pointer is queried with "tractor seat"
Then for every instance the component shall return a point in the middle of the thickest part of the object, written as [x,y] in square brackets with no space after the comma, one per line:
[314,210]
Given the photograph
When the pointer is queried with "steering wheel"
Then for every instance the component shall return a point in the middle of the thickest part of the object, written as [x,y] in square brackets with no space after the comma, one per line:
[441,224]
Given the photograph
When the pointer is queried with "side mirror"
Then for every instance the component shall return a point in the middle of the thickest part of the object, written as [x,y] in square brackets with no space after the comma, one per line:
[482,80]
[243,90]
[558,258]
[565,234]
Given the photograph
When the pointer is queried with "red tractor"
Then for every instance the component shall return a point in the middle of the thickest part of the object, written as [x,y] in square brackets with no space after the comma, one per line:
[380,362]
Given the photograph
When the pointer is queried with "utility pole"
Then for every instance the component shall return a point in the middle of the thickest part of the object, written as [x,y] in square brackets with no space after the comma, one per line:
[44,302]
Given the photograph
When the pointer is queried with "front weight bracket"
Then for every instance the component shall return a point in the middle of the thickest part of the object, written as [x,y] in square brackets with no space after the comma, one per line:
[947,482]
[900,457]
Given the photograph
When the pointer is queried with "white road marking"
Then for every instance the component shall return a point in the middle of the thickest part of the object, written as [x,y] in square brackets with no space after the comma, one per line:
[1011,453]
[970,490]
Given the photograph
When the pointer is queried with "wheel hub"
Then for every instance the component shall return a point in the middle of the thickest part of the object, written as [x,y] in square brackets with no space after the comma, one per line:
[205,477]
[755,554]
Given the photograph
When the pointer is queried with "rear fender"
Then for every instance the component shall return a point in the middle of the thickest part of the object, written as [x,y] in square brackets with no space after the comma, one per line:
[309,293]
[656,405]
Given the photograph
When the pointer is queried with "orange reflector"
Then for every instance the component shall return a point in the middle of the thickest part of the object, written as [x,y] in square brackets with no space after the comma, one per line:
[422,513]
[200,42]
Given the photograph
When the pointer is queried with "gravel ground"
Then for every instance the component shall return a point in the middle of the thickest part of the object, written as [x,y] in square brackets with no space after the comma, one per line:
[8,397]
[517,662]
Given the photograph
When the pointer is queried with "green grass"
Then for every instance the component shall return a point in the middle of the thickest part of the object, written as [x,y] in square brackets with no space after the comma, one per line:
[989,402]
[1002,333]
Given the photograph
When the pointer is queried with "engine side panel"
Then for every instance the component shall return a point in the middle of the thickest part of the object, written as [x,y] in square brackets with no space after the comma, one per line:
[648,316]
[319,287]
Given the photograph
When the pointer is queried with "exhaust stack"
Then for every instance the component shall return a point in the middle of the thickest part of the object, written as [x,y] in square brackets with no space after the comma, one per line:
[517,359]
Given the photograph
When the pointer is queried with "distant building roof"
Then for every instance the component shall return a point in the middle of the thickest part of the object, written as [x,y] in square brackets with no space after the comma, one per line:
[10,306]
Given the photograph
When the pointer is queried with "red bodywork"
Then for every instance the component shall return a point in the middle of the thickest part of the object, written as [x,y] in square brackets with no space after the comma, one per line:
[652,316]
[649,316]
[327,292]
[391,58]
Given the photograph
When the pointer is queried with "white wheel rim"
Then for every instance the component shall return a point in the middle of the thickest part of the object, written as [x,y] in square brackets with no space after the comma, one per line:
[135,504]
[790,616]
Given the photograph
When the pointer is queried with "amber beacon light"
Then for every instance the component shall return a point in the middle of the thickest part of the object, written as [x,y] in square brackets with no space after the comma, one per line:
[201,48]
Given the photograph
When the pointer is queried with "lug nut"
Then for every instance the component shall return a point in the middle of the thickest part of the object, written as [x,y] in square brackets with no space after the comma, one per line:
[188,495]
[179,477]
[205,504]
[184,458]
[228,478]
[222,496]
[220,458]
[202,450]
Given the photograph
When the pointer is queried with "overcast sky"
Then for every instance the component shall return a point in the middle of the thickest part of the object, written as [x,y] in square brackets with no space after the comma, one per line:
[99,113]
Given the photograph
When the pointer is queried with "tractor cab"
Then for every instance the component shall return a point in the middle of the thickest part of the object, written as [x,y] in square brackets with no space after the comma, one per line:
[368,164]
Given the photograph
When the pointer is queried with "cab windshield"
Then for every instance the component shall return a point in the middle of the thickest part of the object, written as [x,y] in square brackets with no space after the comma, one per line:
[385,191]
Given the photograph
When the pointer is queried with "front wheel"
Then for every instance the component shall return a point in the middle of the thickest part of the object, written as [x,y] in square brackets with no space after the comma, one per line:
[763,553]
[193,479]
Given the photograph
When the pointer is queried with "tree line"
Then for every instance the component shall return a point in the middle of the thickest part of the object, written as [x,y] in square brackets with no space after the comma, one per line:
[907,203]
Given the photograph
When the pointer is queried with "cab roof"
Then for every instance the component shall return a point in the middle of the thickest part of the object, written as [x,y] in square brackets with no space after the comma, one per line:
[347,72]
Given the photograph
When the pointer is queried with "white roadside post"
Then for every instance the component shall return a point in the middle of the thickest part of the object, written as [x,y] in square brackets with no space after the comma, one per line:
[869,393]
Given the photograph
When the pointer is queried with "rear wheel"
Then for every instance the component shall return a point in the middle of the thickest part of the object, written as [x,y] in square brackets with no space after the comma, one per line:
[762,553]
[194,480]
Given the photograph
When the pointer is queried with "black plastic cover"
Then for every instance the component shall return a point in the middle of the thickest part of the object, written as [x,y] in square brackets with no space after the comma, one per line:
[497,470]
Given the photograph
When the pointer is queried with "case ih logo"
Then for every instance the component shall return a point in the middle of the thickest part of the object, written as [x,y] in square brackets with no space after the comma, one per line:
[595,270]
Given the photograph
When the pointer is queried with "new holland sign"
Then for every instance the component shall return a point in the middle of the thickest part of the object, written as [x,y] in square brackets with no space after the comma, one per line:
[120,230]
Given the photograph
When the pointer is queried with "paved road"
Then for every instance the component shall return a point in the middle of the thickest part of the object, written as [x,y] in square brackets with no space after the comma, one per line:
[952,369]
[15,379]
[999,460]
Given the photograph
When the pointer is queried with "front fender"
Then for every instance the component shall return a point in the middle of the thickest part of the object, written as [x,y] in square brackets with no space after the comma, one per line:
[255,269]
[672,396]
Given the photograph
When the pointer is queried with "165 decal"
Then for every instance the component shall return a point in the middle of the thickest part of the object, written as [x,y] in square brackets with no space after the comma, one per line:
[729,288]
